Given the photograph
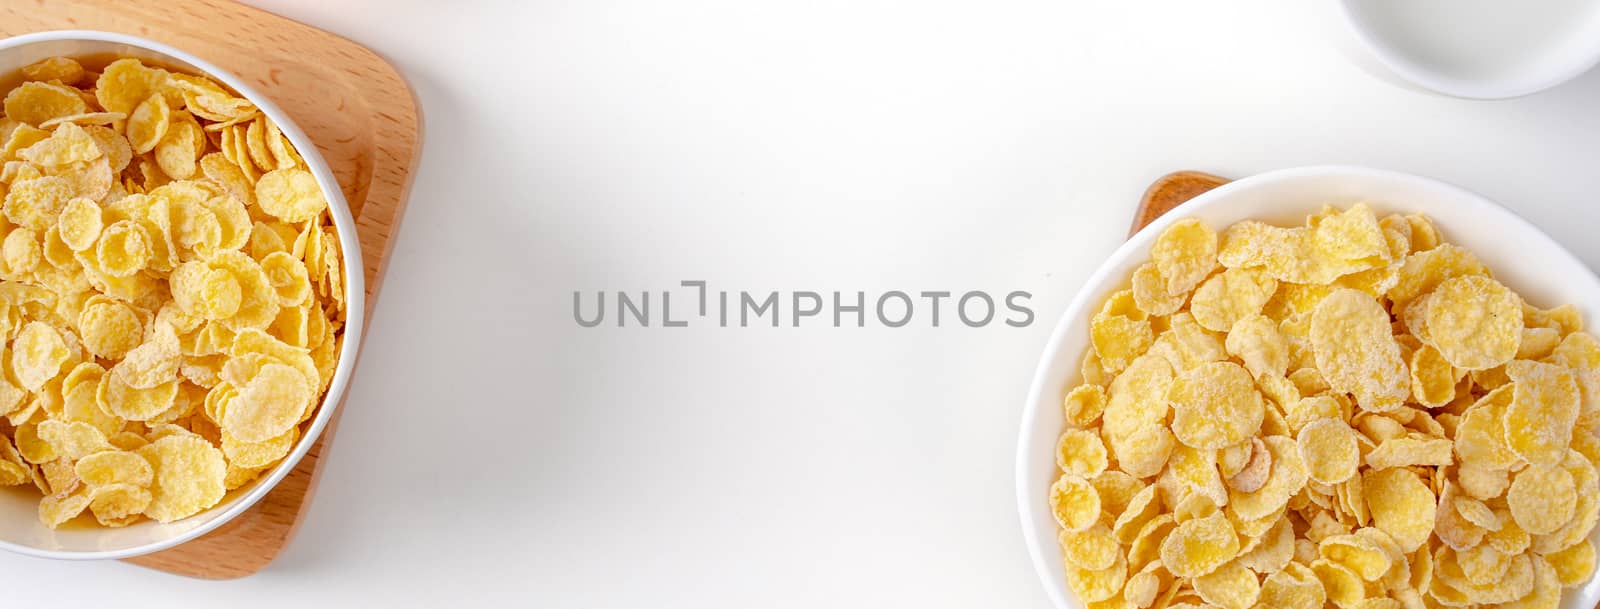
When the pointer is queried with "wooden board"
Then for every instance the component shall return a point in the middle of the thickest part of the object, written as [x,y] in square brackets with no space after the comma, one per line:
[1170,191]
[362,116]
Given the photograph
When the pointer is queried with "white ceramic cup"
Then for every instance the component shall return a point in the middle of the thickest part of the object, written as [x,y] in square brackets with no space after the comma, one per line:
[1475,49]
[1518,253]
[20,529]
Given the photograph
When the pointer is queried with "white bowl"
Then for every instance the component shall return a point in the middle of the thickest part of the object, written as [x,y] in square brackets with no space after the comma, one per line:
[1519,254]
[20,529]
[1477,49]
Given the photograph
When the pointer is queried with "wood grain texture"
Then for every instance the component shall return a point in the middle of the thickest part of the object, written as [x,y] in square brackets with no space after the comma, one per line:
[363,118]
[1170,191]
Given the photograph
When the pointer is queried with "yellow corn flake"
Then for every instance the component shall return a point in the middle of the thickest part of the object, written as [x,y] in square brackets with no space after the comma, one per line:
[206,291]
[87,119]
[79,224]
[222,172]
[1329,450]
[258,302]
[1274,550]
[1150,292]
[1185,344]
[124,248]
[1317,254]
[1140,509]
[1425,270]
[64,70]
[151,364]
[56,509]
[1081,453]
[257,455]
[1356,351]
[1475,322]
[1482,482]
[1482,565]
[1401,505]
[1230,586]
[36,102]
[1537,343]
[1185,254]
[1233,458]
[1433,378]
[1542,413]
[1215,405]
[189,474]
[233,221]
[114,466]
[1256,341]
[1141,589]
[1073,501]
[1116,489]
[1573,566]
[1407,451]
[1286,478]
[178,152]
[1358,553]
[127,82]
[1481,434]
[72,440]
[1194,472]
[118,152]
[148,124]
[1146,451]
[1144,547]
[1116,338]
[1295,587]
[1343,587]
[1229,296]
[291,195]
[1477,513]
[37,355]
[1200,546]
[1137,398]
[34,203]
[119,504]
[210,100]
[288,277]
[1545,592]
[1256,470]
[1093,586]
[21,252]
[110,328]
[67,144]
[1542,498]
[1093,549]
[135,404]
[1450,527]
[1083,405]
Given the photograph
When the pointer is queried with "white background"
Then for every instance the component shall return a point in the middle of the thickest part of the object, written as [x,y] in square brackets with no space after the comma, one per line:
[492,452]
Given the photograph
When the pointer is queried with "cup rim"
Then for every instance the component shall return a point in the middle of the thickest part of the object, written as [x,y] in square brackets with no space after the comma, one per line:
[1551,73]
[354,285]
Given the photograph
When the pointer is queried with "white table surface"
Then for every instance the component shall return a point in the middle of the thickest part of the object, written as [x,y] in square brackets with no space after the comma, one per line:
[494,453]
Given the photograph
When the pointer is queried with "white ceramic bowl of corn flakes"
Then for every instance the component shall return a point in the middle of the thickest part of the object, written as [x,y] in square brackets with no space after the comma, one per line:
[1517,253]
[179,326]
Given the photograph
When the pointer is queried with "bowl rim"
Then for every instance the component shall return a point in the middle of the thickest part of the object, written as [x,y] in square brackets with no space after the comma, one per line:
[354,285]
[1548,74]
[1029,451]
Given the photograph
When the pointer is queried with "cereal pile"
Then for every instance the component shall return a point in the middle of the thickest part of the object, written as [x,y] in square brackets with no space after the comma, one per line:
[171,293]
[1349,413]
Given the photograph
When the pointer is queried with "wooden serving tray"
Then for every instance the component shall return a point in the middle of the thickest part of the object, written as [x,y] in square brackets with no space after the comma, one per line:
[1170,191]
[363,118]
